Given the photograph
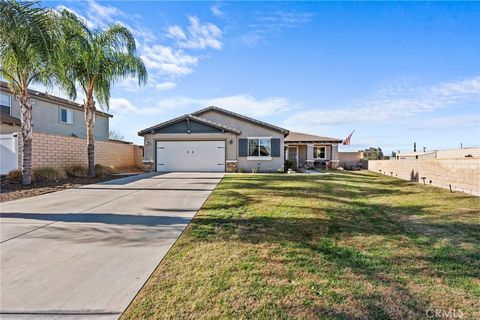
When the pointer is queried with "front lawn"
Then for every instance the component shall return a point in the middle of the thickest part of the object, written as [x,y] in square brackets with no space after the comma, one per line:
[336,246]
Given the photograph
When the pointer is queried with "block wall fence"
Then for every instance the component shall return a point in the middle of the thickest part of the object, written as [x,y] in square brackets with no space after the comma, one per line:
[61,151]
[459,174]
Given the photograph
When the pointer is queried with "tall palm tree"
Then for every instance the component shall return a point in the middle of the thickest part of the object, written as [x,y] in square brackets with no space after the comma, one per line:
[26,48]
[94,60]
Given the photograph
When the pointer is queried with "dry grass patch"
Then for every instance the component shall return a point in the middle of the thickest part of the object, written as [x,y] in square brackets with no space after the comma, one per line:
[338,246]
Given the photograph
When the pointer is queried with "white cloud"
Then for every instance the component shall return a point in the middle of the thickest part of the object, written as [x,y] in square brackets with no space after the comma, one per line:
[243,104]
[456,121]
[217,11]
[392,103]
[167,61]
[197,35]
[273,23]
[248,105]
[166,85]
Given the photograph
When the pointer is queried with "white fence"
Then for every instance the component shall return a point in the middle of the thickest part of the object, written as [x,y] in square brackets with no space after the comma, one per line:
[8,152]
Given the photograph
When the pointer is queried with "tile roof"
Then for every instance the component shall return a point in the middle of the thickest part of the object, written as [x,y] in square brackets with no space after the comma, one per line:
[304,137]
[188,116]
[37,94]
[240,116]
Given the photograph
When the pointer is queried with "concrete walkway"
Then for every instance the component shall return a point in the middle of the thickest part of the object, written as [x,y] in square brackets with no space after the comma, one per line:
[85,253]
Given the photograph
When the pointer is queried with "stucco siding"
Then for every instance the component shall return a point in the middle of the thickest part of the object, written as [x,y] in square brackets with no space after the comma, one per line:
[46,119]
[249,129]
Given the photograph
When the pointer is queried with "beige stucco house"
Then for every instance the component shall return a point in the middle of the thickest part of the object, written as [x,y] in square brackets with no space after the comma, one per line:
[215,139]
[50,115]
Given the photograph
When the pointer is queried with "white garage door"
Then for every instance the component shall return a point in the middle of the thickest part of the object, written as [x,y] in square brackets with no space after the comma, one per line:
[8,153]
[191,156]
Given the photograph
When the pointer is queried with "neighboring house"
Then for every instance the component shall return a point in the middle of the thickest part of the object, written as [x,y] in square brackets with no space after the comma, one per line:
[50,115]
[58,119]
[214,139]
[309,151]
[469,152]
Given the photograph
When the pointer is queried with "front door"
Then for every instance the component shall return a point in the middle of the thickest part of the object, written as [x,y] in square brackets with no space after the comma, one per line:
[293,154]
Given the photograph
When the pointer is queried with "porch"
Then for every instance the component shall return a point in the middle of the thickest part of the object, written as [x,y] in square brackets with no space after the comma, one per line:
[310,151]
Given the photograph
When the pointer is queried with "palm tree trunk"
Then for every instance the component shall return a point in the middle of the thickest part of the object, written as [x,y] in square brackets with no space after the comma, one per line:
[90,121]
[27,136]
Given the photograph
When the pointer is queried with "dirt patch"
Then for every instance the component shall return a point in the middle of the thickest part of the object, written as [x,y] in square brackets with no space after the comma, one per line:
[12,190]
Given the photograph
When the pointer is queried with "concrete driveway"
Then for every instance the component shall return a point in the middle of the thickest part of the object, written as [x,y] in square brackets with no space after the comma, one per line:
[85,253]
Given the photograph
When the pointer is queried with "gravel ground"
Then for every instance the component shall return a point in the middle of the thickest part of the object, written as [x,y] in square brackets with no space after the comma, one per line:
[12,191]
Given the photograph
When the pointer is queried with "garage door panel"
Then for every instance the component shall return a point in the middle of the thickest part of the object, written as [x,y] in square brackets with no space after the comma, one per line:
[191,156]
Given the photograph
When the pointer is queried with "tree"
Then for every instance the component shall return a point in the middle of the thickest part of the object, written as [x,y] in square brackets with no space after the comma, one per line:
[373,154]
[94,60]
[26,53]
[115,135]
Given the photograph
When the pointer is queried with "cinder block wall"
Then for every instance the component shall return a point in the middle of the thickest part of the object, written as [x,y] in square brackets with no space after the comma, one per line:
[462,174]
[348,159]
[62,151]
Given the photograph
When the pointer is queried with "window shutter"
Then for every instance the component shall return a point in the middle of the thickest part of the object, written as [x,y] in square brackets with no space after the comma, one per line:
[242,147]
[275,147]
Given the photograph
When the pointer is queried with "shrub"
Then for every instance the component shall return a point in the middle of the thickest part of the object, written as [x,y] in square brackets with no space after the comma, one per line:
[48,173]
[76,170]
[254,170]
[102,171]
[290,164]
[241,170]
[280,170]
[15,176]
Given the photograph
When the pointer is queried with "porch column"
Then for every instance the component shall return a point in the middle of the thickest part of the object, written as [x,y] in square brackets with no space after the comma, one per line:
[310,163]
[334,156]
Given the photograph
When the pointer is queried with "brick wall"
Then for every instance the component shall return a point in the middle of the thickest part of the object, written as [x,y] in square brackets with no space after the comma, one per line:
[461,174]
[62,151]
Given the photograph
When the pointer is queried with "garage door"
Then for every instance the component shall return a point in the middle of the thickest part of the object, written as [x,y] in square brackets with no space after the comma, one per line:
[191,156]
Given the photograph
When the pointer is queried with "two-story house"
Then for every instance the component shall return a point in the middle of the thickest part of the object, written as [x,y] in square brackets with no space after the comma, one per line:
[50,115]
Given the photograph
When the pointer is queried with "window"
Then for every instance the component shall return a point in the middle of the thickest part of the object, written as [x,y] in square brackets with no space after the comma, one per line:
[259,147]
[66,116]
[5,103]
[319,152]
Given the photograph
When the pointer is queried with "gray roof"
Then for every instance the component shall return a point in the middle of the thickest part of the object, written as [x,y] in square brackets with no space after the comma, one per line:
[188,116]
[240,116]
[43,95]
[304,137]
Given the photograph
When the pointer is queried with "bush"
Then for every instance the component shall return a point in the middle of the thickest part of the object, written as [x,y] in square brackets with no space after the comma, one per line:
[48,173]
[102,171]
[290,164]
[15,176]
[241,170]
[280,170]
[77,170]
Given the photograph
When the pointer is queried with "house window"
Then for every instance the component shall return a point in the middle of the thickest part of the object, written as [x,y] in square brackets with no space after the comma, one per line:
[5,103]
[259,147]
[66,116]
[319,152]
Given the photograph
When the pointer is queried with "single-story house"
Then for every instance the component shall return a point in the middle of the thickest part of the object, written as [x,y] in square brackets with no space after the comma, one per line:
[215,139]
[309,151]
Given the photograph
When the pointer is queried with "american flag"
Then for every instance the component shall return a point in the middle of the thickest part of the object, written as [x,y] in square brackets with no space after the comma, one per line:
[346,141]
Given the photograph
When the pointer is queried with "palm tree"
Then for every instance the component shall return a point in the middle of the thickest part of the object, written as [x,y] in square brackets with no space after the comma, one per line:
[26,48]
[94,60]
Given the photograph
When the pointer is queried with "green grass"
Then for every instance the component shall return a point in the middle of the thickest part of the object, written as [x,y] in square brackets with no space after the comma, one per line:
[337,246]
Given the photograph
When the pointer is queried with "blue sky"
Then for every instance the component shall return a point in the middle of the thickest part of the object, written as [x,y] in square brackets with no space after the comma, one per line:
[394,72]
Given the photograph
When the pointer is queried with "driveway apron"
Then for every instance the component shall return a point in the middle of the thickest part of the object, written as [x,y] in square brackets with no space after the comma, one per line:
[85,253]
